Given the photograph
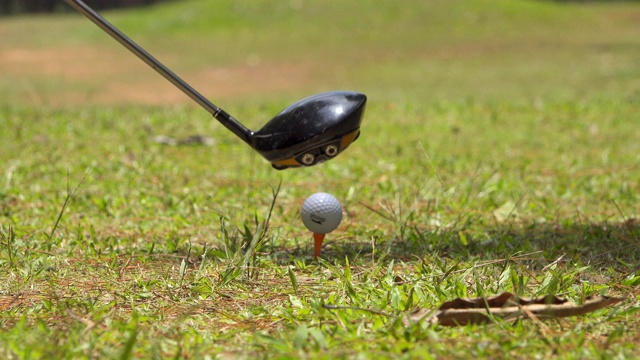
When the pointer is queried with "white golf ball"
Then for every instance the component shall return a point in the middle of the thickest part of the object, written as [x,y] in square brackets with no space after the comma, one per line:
[321,213]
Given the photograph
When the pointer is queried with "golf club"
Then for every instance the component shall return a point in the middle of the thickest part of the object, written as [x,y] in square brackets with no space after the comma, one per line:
[306,133]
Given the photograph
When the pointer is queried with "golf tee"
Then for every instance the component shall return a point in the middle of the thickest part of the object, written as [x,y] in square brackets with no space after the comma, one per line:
[317,238]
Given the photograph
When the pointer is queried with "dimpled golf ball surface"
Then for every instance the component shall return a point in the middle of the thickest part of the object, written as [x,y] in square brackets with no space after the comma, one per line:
[321,213]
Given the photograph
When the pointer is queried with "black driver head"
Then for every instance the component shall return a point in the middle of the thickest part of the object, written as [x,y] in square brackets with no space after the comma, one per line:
[312,130]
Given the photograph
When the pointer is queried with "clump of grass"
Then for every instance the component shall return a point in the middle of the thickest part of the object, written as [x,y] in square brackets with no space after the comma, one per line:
[244,257]
[185,252]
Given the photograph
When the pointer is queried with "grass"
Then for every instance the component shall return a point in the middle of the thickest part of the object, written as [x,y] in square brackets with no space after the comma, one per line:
[499,153]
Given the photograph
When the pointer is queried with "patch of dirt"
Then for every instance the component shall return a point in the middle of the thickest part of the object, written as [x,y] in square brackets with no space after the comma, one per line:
[91,75]
[215,83]
[68,63]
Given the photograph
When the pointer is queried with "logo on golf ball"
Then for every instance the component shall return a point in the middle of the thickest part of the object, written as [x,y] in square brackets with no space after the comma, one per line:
[321,213]
[317,219]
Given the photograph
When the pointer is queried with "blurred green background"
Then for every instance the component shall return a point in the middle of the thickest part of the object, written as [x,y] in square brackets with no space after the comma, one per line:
[261,51]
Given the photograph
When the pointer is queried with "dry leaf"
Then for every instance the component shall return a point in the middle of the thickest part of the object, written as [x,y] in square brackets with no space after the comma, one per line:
[506,306]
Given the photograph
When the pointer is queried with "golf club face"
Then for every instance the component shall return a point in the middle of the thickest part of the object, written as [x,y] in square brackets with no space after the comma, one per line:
[312,130]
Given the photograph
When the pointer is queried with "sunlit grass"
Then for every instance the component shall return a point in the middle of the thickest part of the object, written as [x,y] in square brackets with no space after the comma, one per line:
[486,164]
[152,237]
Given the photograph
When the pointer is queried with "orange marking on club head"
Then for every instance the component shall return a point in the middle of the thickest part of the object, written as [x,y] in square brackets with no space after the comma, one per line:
[318,244]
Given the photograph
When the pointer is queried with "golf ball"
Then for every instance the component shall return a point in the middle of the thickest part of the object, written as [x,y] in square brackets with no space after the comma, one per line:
[321,213]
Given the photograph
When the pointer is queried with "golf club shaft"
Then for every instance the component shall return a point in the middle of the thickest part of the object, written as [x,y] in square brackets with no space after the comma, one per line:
[224,118]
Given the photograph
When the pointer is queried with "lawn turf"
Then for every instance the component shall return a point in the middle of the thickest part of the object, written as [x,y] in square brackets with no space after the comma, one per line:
[499,152]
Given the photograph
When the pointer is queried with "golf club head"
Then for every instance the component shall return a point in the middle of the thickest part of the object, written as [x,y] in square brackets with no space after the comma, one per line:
[312,130]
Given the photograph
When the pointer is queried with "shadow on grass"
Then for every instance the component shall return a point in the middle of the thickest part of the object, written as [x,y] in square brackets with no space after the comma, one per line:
[601,245]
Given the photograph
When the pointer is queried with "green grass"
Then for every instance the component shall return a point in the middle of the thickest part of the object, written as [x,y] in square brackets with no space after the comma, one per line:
[499,152]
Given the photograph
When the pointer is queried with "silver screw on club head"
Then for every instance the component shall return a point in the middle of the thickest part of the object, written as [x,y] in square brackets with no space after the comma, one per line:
[308,159]
[331,150]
